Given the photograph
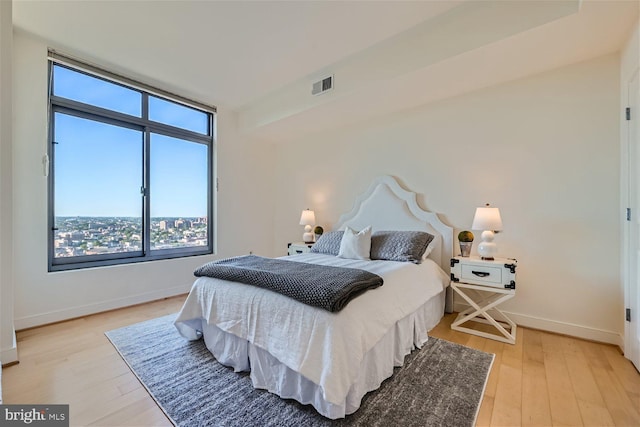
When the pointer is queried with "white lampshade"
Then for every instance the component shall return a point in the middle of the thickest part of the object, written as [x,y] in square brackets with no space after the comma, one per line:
[487,219]
[308,217]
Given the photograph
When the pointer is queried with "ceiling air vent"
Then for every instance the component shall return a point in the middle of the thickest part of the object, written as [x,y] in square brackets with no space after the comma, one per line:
[322,86]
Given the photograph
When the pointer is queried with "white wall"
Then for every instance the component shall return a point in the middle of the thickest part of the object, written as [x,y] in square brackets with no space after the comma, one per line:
[244,204]
[543,149]
[8,351]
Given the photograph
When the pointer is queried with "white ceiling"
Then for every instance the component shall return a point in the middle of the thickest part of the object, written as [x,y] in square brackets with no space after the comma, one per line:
[226,52]
[241,54]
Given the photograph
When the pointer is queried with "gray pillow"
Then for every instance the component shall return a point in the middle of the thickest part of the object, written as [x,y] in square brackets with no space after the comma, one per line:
[328,243]
[405,246]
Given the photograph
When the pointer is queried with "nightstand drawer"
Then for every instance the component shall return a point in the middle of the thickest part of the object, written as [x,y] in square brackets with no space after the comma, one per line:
[498,273]
[299,248]
[491,276]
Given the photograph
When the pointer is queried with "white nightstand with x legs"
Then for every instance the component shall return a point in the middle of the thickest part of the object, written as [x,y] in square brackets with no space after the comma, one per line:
[484,285]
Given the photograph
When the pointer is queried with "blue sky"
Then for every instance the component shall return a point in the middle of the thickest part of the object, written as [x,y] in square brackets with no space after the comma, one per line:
[98,167]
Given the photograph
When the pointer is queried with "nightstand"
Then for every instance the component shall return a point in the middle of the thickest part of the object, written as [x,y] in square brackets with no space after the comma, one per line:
[299,248]
[491,283]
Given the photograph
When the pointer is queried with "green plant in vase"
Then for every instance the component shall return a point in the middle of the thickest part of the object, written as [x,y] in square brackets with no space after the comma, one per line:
[465,237]
[318,231]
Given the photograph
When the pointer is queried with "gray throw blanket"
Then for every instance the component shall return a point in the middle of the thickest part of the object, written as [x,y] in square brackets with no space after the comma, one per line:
[321,286]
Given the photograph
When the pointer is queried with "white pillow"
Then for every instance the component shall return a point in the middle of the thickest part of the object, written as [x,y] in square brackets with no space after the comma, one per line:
[356,245]
[437,241]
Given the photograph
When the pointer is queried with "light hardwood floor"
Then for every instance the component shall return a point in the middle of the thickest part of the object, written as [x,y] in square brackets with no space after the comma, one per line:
[542,380]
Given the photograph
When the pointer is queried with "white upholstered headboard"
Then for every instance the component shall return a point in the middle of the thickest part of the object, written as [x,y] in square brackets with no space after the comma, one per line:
[388,206]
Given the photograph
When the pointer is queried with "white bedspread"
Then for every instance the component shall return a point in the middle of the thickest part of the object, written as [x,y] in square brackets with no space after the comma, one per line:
[327,348]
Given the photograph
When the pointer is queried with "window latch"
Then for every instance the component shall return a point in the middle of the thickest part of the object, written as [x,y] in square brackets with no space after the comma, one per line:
[45,165]
[143,191]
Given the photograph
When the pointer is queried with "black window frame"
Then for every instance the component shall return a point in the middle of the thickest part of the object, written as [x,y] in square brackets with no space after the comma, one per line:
[147,127]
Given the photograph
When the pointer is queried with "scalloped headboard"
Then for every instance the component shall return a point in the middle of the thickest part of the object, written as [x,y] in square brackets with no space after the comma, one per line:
[388,206]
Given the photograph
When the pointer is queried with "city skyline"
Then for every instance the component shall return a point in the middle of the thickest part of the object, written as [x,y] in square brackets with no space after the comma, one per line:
[87,235]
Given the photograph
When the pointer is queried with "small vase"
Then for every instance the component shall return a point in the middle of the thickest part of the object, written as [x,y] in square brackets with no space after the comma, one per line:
[465,248]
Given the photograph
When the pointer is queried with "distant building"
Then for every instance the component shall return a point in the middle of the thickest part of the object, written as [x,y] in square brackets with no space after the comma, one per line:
[181,224]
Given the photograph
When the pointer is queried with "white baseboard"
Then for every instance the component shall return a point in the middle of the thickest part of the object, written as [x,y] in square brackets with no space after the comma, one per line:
[578,331]
[84,310]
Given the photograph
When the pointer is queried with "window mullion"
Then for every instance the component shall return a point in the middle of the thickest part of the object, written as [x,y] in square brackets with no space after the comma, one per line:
[146,155]
[174,132]
[112,119]
[51,221]
[146,205]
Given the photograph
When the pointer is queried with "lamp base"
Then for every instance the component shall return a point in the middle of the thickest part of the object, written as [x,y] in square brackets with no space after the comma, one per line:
[487,249]
[307,237]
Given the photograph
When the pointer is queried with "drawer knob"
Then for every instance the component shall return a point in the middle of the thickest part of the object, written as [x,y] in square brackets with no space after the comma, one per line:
[480,273]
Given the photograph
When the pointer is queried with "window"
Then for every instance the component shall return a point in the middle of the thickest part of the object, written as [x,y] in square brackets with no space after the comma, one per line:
[131,170]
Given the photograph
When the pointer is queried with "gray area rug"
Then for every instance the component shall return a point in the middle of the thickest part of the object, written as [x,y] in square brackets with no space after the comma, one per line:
[439,385]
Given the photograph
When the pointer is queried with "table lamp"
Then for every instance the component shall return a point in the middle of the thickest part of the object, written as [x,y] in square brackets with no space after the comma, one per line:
[308,218]
[487,219]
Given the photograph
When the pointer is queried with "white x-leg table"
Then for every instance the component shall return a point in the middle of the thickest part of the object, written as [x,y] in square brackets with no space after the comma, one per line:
[481,310]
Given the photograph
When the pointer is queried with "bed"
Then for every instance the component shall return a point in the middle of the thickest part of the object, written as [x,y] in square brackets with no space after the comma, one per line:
[330,360]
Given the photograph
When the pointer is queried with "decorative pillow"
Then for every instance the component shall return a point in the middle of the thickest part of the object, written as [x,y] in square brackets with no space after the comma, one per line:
[406,246]
[356,245]
[328,243]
